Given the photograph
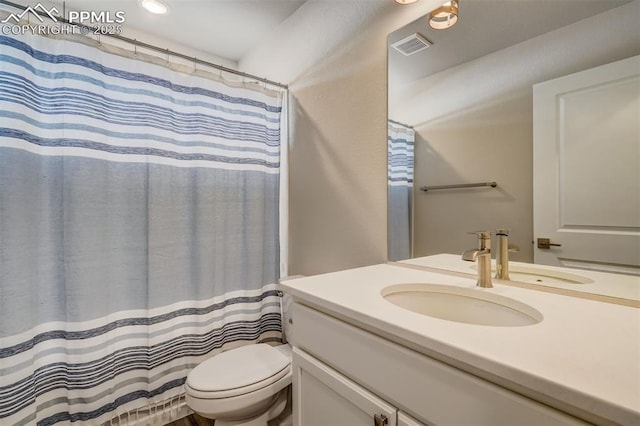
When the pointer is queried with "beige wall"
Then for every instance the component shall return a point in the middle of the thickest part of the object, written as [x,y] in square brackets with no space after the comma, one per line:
[338,154]
[337,162]
[490,143]
[338,110]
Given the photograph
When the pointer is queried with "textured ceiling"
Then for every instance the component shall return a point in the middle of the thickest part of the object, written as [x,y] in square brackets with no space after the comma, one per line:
[486,26]
[276,39]
[506,74]
[226,29]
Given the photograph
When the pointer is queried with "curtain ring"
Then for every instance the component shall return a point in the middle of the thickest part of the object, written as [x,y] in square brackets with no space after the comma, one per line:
[135,47]
[168,56]
[195,63]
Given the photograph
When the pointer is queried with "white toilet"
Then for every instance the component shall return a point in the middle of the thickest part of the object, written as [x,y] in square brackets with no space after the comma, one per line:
[246,386]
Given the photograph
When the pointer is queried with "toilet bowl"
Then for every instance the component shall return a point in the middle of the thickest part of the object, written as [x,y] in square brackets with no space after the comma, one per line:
[246,386]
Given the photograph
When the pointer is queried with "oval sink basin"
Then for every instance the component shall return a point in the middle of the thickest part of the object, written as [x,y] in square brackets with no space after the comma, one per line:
[536,275]
[461,304]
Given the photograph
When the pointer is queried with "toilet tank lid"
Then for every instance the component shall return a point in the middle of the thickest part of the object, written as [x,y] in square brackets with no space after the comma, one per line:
[237,368]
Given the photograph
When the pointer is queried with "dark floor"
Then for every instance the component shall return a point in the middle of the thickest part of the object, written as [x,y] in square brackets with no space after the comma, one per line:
[192,420]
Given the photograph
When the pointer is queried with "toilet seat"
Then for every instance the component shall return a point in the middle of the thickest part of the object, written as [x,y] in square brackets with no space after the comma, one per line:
[238,372]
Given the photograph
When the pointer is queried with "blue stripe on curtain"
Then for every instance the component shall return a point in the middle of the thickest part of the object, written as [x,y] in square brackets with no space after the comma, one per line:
[400,146]
[138,228]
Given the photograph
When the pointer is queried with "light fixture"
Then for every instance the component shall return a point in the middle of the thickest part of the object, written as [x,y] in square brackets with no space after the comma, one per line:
[155,6]
[445,16]
[406,1]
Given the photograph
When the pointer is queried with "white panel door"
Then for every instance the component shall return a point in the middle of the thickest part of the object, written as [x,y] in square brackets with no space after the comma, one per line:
[586,138]
[323,397]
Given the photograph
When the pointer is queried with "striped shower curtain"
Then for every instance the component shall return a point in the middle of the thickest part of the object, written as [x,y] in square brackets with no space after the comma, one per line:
[400,142]
[138,229]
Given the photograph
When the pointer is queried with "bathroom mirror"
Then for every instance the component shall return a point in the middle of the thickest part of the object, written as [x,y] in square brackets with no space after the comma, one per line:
[464,106]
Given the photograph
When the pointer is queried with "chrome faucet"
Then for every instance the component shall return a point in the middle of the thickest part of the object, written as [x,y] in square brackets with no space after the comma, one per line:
[502,254]
[483,255]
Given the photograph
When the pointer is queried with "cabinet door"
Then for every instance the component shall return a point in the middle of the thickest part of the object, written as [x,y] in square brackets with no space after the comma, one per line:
[323,397]
[434,392]
[406,420]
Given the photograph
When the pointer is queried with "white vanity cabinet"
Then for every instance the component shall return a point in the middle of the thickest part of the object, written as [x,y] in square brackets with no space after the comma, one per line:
[344,375]
[324,397]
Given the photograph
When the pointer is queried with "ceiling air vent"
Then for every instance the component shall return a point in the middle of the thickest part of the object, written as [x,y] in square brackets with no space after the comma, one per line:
[412,44]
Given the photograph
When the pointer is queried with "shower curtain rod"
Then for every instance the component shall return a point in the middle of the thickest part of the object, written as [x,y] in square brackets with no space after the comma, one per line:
[156,48]
[402,124]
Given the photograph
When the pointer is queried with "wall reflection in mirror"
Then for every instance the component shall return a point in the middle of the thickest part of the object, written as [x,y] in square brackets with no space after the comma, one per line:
[468,99]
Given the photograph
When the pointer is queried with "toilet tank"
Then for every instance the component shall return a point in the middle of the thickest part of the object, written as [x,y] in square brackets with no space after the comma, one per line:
[286,303]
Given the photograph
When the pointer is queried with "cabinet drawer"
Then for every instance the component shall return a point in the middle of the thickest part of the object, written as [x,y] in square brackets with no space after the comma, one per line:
[430,390]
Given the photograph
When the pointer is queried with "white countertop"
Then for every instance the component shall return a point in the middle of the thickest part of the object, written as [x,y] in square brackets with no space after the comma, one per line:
[584,353]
